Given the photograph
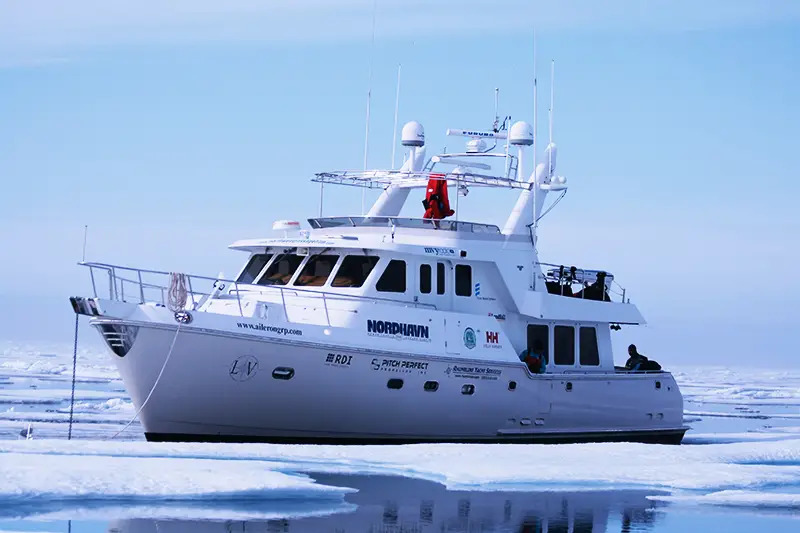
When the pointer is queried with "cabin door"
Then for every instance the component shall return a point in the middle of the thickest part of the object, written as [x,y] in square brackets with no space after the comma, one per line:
[432,285]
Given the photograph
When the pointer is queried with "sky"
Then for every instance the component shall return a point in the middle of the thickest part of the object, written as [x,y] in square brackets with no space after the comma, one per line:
[174,130]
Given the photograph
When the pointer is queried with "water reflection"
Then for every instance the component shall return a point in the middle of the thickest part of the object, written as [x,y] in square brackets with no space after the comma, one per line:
[400,505]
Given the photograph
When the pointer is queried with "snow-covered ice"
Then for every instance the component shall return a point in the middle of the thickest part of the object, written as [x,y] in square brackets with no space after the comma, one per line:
[743,450]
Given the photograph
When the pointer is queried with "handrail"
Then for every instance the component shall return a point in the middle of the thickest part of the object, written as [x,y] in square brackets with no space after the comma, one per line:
[610,281]
[403,222]
[234,288]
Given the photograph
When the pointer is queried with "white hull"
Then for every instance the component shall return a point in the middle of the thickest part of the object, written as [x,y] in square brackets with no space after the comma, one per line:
[219,385]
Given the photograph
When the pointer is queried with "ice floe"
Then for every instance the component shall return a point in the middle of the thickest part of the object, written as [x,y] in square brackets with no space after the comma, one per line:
[133,471]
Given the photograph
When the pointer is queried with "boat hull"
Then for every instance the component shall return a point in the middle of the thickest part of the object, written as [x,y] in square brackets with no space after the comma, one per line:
[214,386]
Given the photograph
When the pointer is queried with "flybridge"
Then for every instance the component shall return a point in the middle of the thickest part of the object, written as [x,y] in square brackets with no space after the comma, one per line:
[479,166]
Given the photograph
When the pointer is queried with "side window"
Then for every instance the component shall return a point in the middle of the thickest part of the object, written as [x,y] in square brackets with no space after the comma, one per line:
[425,279]
[281,270]
[354,270]
[440,277]
[393,278]
[589,354]
[463,280]
[316,271]
[539,340]
[564,345]
[254,268]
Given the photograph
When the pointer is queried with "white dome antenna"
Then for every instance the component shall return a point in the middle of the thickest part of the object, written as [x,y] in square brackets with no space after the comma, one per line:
[413,134]
[521,135]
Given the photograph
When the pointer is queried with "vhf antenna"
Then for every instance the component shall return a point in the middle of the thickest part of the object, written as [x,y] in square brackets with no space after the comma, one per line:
[369,98]
[396,109]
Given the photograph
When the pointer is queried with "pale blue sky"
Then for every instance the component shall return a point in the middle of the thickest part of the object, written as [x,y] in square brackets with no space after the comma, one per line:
[173,131]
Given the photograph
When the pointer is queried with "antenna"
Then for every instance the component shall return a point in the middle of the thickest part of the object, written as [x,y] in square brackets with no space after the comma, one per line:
[85,234]
[550,113]
[535,113]
[496,127]
[552,94]
[535,138]
[396,109]
[369,97]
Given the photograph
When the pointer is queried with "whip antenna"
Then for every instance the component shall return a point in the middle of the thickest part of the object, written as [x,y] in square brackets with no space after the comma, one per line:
[396,109]
[369,98]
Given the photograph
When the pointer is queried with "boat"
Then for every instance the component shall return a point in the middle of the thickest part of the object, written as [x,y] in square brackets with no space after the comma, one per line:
[379,328]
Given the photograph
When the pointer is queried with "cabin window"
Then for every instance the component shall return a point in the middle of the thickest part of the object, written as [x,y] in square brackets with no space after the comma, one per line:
[463,280]
[431,386]
[393,278]
[425,279]
[395,383]
[468,389]
[539,341]
[589,354]
[440,273]
[317,270]
[281,270]
[564,345]
[354,270]
[253,268]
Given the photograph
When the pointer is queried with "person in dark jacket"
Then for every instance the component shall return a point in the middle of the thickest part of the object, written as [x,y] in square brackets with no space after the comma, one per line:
[636,361]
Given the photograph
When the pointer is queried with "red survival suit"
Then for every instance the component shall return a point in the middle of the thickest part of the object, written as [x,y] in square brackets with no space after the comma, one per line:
[436,203]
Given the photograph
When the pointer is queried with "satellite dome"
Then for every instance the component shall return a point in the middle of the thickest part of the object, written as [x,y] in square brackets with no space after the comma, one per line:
[521,134]
[413,134]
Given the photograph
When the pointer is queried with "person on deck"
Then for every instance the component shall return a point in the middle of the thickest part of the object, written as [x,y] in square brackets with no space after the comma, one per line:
[636,361]
[535,358]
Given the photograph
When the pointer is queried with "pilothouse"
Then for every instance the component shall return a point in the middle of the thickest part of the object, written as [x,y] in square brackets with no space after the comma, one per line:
[382,328]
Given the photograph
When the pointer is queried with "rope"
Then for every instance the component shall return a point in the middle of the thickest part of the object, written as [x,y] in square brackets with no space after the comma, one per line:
[176,301]
[74,368]
[155,384]
[177,295]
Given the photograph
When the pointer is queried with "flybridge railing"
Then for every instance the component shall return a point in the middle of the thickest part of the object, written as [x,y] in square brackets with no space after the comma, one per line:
[128,284]
[398,222]
[560,279]
[374,179]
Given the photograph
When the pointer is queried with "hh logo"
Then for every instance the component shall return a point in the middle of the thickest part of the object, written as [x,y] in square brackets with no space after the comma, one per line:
[492,337]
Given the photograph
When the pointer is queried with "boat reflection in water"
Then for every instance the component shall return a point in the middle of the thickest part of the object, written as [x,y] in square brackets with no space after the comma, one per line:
[394,504]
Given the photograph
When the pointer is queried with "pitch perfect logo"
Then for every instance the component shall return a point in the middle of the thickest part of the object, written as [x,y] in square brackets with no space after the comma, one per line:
[398,330]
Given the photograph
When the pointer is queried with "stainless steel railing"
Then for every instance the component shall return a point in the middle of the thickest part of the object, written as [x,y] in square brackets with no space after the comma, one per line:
[567,276]
[139,285]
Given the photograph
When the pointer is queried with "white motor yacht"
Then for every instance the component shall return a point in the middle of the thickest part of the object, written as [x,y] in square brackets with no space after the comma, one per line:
[379,328]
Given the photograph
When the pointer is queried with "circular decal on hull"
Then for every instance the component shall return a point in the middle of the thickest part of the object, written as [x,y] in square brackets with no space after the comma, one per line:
[243,368]
[470,339]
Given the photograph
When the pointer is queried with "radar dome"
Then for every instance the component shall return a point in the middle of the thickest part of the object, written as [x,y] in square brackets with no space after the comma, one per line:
[413,134]
[521,134]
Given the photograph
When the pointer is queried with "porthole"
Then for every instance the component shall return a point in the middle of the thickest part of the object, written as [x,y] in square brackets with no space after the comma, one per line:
[512,385]
[395,383]
[468,389]
[658,384]
[283,372]
[569,386]
[431,386]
